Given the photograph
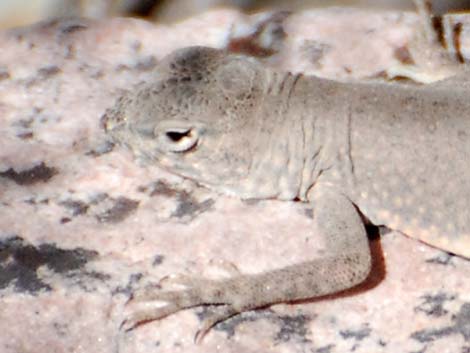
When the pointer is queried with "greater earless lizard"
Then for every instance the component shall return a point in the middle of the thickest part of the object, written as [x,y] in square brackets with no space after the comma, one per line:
[394,154]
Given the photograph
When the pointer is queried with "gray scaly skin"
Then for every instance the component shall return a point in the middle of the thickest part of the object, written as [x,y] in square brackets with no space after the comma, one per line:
[399,154]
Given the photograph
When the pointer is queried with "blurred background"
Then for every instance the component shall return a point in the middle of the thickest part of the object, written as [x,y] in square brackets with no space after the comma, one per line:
[15,13]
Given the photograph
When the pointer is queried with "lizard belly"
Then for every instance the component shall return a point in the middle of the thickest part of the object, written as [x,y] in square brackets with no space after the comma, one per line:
[433,211]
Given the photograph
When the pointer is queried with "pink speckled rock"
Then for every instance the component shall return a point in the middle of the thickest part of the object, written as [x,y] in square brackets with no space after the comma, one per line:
[82,224]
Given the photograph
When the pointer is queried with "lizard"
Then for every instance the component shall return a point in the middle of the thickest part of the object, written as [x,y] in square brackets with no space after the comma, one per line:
[392,154]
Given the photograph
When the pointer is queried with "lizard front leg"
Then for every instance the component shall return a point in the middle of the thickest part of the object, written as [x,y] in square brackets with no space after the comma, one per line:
[348,263]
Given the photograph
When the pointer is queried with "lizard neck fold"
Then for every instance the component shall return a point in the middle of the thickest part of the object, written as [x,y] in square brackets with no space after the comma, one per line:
[276,168]
[301,135]
[324,114]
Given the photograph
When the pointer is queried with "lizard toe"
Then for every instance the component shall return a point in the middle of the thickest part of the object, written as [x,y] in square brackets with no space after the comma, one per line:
[218,314]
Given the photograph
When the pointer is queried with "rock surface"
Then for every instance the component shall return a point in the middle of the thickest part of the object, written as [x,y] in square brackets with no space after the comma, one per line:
[81,224]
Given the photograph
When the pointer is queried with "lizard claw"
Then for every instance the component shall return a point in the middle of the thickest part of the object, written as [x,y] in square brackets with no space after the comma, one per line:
[228,267]
[178,279]
[146,315]
[127,325]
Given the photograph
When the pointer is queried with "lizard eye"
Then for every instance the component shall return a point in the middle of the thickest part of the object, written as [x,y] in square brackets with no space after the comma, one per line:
[177,139]
[178,136]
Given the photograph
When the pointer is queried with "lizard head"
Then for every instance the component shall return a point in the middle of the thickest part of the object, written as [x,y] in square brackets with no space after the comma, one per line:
[196,118]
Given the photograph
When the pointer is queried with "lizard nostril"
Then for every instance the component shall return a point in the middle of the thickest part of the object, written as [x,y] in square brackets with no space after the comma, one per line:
[104,122]
[110,120]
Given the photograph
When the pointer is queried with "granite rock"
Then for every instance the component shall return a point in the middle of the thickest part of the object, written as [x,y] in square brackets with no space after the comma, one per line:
[82,224]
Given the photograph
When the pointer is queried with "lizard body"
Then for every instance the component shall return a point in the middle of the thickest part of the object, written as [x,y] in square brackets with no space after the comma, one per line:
[396,154]
[390,149]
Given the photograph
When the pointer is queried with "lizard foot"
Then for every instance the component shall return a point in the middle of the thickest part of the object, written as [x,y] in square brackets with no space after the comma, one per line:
[194,291]
[181,283]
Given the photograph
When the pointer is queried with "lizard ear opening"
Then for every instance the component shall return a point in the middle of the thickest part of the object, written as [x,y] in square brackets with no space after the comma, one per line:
[236,77]
[177,137]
